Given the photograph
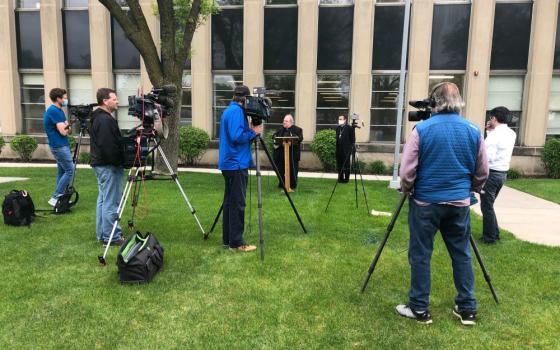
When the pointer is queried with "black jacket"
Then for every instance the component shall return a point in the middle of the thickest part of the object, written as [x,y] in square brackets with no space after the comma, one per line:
[105,135]
[345,137]
[291,131]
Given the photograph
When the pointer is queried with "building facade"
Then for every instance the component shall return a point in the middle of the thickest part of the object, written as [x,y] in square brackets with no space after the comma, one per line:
[317,58]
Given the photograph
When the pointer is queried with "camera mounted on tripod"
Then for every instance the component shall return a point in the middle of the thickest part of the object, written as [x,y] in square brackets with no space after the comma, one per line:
[355,119]
[424,109]
[82,113]
[258,106]
[152,108]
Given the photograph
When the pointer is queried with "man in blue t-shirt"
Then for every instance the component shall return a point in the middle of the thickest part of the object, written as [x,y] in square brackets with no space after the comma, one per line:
[57,130]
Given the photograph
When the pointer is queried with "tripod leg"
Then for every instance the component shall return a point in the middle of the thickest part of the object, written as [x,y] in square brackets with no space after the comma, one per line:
[353,166]
[215,221]
[483,268]
[259,197]
[336,183]
[120,211]
[387,233]
[332,194]
[282,182]
[176,179]
[362,181]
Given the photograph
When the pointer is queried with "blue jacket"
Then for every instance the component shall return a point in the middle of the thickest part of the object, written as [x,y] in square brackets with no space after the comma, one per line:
[235,139]
[447,157]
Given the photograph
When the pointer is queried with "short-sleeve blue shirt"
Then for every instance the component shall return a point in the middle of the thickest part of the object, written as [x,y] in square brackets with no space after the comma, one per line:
[52,116]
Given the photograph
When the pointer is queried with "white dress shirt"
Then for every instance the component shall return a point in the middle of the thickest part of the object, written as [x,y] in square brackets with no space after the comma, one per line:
[499,147]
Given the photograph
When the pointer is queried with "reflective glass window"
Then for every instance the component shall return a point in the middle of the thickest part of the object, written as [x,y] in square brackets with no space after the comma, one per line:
[553,128]
[186,100]
[79,89]
[32,103]
[126,85]
[125,54]
[384,107]
[450,36]
[281,2]
[229,2]
[557,47]
[75,3]
[281,89]
[333,94]
[77,54]
[28,31]
[28,4]
[334,47]
[507,91]
[387,37]
[280,38]
[227,39]
[512,31]
[457,79]
[224,84]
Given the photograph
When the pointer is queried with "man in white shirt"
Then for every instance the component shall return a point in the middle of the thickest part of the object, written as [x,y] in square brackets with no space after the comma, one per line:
[499,141]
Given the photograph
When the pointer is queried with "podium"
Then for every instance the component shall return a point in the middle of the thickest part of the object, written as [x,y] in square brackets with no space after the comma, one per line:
[287,141]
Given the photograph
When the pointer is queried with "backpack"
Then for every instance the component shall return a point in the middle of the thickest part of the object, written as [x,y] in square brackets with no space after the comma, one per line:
[18,208]
[65,201]
[139,258]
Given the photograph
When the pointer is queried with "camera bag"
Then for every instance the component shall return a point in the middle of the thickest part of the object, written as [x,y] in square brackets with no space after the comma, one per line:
[18,208]
[140,258]
[66,201]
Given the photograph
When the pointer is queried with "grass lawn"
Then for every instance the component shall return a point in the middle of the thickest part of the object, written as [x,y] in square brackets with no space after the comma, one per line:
[304,295]
[544,188]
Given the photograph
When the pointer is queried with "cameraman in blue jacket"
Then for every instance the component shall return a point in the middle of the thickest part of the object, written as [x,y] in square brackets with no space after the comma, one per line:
[235,159]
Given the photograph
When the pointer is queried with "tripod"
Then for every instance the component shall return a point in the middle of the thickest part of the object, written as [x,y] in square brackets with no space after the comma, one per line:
[388,232]
[354,167]
[133,179]
[258,140]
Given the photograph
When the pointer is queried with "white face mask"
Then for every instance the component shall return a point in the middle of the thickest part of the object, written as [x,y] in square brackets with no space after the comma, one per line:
[341,122]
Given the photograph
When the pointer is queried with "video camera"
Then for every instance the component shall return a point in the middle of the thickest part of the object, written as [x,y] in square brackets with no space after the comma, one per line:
[355,118]
[152,107]
[82,113]
[258,106]
[424,110]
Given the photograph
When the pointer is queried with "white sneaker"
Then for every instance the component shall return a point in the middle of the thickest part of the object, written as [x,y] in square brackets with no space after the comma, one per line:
[53,201]
[423,317]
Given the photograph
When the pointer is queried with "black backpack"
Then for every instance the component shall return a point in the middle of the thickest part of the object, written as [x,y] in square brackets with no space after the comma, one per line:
[18,208]
[140,258]
[66,201]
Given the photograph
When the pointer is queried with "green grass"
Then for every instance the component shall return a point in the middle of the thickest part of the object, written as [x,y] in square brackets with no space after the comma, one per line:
[548,189]
[305,295]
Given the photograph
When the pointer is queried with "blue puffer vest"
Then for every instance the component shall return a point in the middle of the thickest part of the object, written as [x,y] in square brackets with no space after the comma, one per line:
[447,158]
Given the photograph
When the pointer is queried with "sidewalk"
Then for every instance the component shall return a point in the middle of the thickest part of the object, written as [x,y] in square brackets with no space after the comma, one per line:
[529,218]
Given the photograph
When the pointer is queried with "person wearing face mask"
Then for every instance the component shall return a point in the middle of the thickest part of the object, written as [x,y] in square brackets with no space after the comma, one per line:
[57,130]
[107,163]
[288,128]
[345,138]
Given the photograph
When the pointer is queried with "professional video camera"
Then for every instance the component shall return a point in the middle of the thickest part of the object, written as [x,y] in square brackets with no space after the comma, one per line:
[355,118]
[258,106]
[424,110]
[152,108]
[82,113]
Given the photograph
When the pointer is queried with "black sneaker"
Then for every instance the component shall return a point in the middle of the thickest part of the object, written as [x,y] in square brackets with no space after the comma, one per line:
[467,317]
[423,317]
[118,242]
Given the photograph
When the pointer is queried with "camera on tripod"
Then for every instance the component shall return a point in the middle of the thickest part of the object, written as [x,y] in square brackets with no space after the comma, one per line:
[151,108]
[424,109]
[258,107]
[82,113]
[355,119]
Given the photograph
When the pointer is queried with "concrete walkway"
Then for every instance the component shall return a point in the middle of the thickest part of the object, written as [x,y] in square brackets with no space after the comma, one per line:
[529,218]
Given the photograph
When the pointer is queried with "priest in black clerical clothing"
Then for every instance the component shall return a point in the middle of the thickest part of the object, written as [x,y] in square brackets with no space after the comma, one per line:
[345,138]
[288,129]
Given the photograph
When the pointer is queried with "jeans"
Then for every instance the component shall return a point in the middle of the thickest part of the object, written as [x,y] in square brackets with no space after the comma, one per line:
[454,225]
[490,230]
[65,167]
[234,207]
[110,183]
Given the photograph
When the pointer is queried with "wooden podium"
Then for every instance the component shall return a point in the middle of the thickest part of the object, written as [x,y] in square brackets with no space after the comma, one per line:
[287,141]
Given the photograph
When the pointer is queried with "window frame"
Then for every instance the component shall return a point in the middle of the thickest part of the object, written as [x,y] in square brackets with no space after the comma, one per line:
[371,108]
[215,132]
[291,111]
[347,109]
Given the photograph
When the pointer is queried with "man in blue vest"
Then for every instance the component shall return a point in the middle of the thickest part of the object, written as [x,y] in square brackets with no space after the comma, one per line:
[443,161]
[234,161]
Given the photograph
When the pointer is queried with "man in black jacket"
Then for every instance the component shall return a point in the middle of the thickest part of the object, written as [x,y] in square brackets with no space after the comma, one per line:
[345,138]
[107,160]
[288,129]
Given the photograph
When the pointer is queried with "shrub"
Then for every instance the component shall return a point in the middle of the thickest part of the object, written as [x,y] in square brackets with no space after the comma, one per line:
[551,158]
[24,145]
[2,143]
[324,147]
[513,174]
[85,158]
[72,141]
[267,138]
[377,167]
[362,167]
[193,142]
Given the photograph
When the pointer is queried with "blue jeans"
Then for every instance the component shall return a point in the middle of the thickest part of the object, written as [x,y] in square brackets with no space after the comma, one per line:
[110,183]
[65,167]
[454,225]
[490,230]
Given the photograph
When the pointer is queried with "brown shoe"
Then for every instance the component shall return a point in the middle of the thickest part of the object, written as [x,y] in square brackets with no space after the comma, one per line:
[244,248]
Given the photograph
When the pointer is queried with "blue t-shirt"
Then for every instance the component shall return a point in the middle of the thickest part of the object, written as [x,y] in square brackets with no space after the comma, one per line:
[52,116]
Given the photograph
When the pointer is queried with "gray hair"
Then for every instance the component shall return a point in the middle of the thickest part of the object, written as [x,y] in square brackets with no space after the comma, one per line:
[290,116]
[447,98]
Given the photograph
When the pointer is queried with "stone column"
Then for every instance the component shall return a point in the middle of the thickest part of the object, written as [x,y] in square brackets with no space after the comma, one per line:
[306,78]
[478,60]
[100,43]
[201,70]
[419,53]
[539,72]
[253,43]
[362,51]
[10,118]
[153,24]
[53,46]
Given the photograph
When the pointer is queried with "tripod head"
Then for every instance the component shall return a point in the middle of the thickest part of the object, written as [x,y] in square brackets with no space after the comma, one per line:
[355,119]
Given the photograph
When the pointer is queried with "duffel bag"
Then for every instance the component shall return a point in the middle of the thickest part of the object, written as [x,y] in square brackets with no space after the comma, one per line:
[140,258]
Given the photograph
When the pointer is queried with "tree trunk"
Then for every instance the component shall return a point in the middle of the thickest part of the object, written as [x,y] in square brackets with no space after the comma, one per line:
[170,145]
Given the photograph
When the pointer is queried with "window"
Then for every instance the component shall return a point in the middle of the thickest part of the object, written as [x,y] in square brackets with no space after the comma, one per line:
[186,100]
[224,84]
[77,54]
[281,89]
[28,31]
[28,4]
[553,129]
[227,39]
[125,54]
[280,38]
[384,108]
[126,85]
[512,30]
[334,47]
[457,79]
[557,46]
[281,2]
[230,2]
[32,103]
[506,91]
[387,37]
[333,93]
[79,89]
[336,2]
[75,3]
[450,37]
